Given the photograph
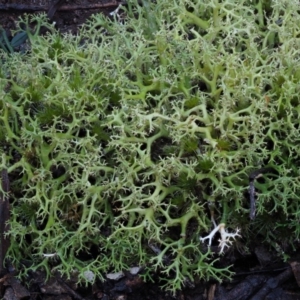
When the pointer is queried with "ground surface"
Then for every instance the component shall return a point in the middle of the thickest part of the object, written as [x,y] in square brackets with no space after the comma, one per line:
[260,273]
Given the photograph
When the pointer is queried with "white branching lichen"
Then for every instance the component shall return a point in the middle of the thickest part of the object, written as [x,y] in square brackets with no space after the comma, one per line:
[226,239]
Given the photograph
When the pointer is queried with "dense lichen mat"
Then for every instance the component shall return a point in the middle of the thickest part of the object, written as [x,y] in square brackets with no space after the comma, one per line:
[129,142]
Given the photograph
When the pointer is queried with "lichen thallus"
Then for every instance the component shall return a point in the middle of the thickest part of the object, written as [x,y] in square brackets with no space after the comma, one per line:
[226,237]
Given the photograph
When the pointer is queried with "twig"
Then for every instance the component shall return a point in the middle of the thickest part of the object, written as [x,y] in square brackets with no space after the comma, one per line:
[254,175]
[70,290]
[272,284]
[53,8]
[13,6]
[244,289]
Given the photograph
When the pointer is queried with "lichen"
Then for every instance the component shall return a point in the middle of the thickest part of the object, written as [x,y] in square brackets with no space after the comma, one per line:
[122,139]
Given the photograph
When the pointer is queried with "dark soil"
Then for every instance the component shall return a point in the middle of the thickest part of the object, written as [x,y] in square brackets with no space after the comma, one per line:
[259,273]
[67,15]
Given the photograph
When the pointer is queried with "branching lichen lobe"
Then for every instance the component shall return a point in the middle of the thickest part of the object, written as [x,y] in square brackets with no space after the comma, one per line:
[4,218]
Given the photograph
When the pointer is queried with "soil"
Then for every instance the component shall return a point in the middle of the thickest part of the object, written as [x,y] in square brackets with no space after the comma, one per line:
[67,15]
[259,273]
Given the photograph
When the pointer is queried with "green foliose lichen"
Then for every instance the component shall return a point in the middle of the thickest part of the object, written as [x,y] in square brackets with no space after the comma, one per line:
[118,138]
